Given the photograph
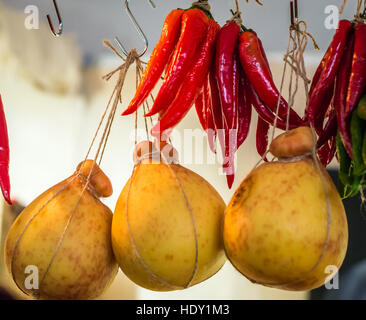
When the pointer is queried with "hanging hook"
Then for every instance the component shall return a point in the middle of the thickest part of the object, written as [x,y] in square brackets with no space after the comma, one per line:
[294,11]
[60,23]
[138,28]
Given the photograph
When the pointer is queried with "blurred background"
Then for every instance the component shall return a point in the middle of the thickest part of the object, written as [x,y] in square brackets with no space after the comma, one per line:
[54,96]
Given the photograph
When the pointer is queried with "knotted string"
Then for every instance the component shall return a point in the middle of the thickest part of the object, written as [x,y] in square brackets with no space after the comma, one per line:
[360,15]
[257,1]
[203,4]
[237,15]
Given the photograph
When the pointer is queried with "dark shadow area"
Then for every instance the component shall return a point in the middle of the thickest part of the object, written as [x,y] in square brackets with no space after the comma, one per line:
[352,275]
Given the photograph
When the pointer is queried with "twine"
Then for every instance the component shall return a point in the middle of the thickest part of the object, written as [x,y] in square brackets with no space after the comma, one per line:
[237,15]
[203,4]
[257,1]
[359,16]
[295,158]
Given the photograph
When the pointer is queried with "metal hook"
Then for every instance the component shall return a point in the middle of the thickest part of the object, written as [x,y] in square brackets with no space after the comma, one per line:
[294,11]
[60,23]
[138,28]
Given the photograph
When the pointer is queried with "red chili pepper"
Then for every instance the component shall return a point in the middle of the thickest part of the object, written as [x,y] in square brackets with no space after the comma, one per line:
[259,74]
[327,151]
[192,85]
[158,59]
[244,110]
[230,147]
[263,111]
[222,132]
[316,104]
[322,110]
[333,149]
[215,98]
[231,132]
[236,79]
[201,110]
[231,129]
[4,156]
[330,129]
[340,98]
[262,137]
[319,71]
[357,82]
[217,115]
[210,123]
[226,44]
[194,31]
[263,51]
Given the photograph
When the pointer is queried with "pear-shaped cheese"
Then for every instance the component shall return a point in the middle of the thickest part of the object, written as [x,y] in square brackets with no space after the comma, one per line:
[59,247]
[167,227]
[279,230]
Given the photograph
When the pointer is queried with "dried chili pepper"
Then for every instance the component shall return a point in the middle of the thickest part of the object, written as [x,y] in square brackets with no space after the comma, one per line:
[244,110]
[262,137]
[323,154]
[215,98]
[4,156]
[357,82]
[231,127]
[229,147]
[316,103]
[158,59]
[263,111]
[226,44]
[327,151]
[204,112]
[322,111]
[236,79]
[342,82]
[210,124]
[192,85]
[193,32]
[259,74]
[262,50]
[330,129]
[216,109]
[319,70]
[201,110]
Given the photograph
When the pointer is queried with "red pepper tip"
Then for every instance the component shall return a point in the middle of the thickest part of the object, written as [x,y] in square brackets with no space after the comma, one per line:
[127,112]
[149,114]
[7,197]
[230,180]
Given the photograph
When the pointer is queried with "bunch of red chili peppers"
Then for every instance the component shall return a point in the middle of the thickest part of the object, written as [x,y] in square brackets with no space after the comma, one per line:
[337,88]
[243,79]
[223,71]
